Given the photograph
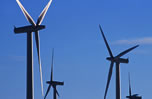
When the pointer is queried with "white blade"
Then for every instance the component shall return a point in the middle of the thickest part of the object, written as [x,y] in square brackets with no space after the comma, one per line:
[28,17]
[39,58]
[41,17]
[41,76]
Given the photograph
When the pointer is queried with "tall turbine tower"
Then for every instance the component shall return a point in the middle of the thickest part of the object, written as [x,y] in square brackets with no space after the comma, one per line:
[29,29]
[52,82]
[117,60]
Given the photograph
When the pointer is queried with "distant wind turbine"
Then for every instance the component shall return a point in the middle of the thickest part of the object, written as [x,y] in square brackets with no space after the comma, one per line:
[135,96]
[52,82]
[29,29]
[117,60]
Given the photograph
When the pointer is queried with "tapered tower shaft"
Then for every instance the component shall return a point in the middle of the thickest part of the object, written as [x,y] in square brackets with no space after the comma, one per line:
[118,94]
[54,93]
[29,89]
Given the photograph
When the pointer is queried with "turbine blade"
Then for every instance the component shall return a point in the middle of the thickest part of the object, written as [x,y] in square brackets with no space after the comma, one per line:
[129,85]
[57,93]
[42,15]
[28,17]
[52,65]
[37,39]
[109,78]
[126,51]
[109,50]
[55,90]
[47,91]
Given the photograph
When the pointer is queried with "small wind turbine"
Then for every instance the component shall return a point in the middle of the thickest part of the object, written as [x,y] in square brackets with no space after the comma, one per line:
[52,82]
[117,60]
[29,29]
[134,96]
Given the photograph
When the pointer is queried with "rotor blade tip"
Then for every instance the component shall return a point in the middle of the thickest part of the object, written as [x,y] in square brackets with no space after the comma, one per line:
[136,46]
[99,25]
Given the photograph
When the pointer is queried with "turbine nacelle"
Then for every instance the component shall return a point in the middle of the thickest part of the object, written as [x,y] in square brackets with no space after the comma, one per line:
[134,97]
[29,28]
[120,60]
[55,83]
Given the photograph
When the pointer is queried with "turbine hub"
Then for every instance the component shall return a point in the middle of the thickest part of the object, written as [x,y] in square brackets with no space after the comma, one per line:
[120,60]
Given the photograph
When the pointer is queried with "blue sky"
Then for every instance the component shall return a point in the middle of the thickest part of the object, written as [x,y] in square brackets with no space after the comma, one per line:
[80,53]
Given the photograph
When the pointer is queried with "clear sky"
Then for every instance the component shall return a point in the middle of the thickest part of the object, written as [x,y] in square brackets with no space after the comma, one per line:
[72,28]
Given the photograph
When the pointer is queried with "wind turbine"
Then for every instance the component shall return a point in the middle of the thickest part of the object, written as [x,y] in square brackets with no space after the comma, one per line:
[34,27]
[52,82]
[134,96]
[117,60]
